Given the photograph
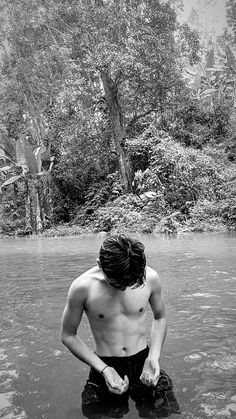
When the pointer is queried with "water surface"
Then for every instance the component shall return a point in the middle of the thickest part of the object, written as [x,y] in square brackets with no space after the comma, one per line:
[39,378]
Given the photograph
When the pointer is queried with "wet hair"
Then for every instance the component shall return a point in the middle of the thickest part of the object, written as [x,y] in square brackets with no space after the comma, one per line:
[123,261]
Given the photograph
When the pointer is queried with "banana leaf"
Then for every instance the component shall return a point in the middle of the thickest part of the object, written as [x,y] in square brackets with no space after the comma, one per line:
[201,70]
[20,154]
[38,156]
[11,180]
[5,168]
[5,155]
[8,148]
[210,60]
[231,58]
[45,155]
[30,159]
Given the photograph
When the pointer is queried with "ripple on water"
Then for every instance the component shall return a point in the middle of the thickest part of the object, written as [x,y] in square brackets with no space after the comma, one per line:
[198,299]
[204,294]
[7,411]
[215,405]
[222,272]
[225,362]
[193,357]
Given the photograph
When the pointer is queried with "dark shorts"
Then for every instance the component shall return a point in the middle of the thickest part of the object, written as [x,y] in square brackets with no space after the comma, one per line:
[96,396]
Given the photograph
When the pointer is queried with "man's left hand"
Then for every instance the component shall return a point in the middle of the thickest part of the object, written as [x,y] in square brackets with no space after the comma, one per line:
[151,372]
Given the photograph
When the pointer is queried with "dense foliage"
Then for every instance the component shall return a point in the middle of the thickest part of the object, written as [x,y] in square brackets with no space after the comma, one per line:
[231,17]
[112,117]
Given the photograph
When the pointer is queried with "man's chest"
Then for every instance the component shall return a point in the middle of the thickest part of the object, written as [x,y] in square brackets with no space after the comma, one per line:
[107,304]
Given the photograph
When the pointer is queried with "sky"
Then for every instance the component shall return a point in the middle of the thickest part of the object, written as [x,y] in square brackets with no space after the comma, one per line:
[212,15]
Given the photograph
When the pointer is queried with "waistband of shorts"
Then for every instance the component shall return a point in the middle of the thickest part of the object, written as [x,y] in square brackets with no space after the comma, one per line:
[126,358]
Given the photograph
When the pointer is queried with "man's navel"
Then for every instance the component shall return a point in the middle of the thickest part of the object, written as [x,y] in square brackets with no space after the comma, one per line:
[141,309]
[101,316]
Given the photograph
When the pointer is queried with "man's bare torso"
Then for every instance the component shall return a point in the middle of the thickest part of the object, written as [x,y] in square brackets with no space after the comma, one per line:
[117,318]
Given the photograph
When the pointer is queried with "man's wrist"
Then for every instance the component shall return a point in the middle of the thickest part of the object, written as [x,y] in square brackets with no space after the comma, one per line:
[154,355]
[101,372]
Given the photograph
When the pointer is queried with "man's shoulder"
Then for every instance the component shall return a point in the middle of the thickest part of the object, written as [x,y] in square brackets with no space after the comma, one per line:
[153,278]
[83,283]
[152,274]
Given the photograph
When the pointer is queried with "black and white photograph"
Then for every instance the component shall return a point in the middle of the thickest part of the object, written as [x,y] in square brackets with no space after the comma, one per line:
[117,209]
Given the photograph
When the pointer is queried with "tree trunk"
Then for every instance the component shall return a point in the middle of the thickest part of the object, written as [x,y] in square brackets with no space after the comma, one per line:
[28,216]
[44,200]
[15,200]
[118,130]
[33,206]
[29,206]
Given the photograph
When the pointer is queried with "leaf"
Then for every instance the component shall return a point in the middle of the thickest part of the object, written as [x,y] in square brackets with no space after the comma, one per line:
[41,173]
[191,72]
[20,154]
[231,58]
[210,61]
[8,148]
[150,194]
[38,155]
[4,155]
[218,69]
[29,156]
[207,92]
[45,155]
[202,70]
[5,168]
[11,180]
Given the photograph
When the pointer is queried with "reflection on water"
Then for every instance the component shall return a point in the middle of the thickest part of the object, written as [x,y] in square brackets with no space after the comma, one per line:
[39,378]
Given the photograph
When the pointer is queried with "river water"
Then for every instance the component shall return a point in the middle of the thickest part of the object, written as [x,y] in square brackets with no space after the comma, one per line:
[39,378]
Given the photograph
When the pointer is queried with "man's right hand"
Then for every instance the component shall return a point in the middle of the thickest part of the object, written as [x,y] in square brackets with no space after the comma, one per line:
[114,382]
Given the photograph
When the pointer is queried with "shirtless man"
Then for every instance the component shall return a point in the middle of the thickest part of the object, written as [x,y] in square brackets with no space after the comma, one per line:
[115,296]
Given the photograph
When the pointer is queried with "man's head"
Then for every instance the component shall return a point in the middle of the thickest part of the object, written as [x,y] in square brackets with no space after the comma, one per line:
[123,261]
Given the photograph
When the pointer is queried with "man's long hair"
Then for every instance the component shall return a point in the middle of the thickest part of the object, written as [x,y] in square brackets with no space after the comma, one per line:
[123,261]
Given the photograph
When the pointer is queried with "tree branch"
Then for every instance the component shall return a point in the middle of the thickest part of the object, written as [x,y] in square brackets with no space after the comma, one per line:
[142,115]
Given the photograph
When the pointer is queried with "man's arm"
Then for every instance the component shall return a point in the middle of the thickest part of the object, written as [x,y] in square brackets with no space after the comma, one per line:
[151,369]
[71,320]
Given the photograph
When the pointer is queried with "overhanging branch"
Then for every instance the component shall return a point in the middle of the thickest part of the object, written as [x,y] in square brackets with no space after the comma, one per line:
[142,115]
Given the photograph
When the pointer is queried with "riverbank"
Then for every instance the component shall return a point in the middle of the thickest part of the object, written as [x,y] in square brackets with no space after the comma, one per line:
[182,190]
[139,214]
[143,215]
[186,190]
[128,215]
[165,229]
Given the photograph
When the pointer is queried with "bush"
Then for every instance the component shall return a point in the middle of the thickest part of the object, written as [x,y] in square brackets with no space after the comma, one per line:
[9,228]
[180,176]
[195,125]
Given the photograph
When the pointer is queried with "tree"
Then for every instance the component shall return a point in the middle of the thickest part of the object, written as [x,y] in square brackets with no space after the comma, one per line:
[123,50]
[212,86]
[25,163]
[127,48]
[31,75]
[231,17]
[67,58]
